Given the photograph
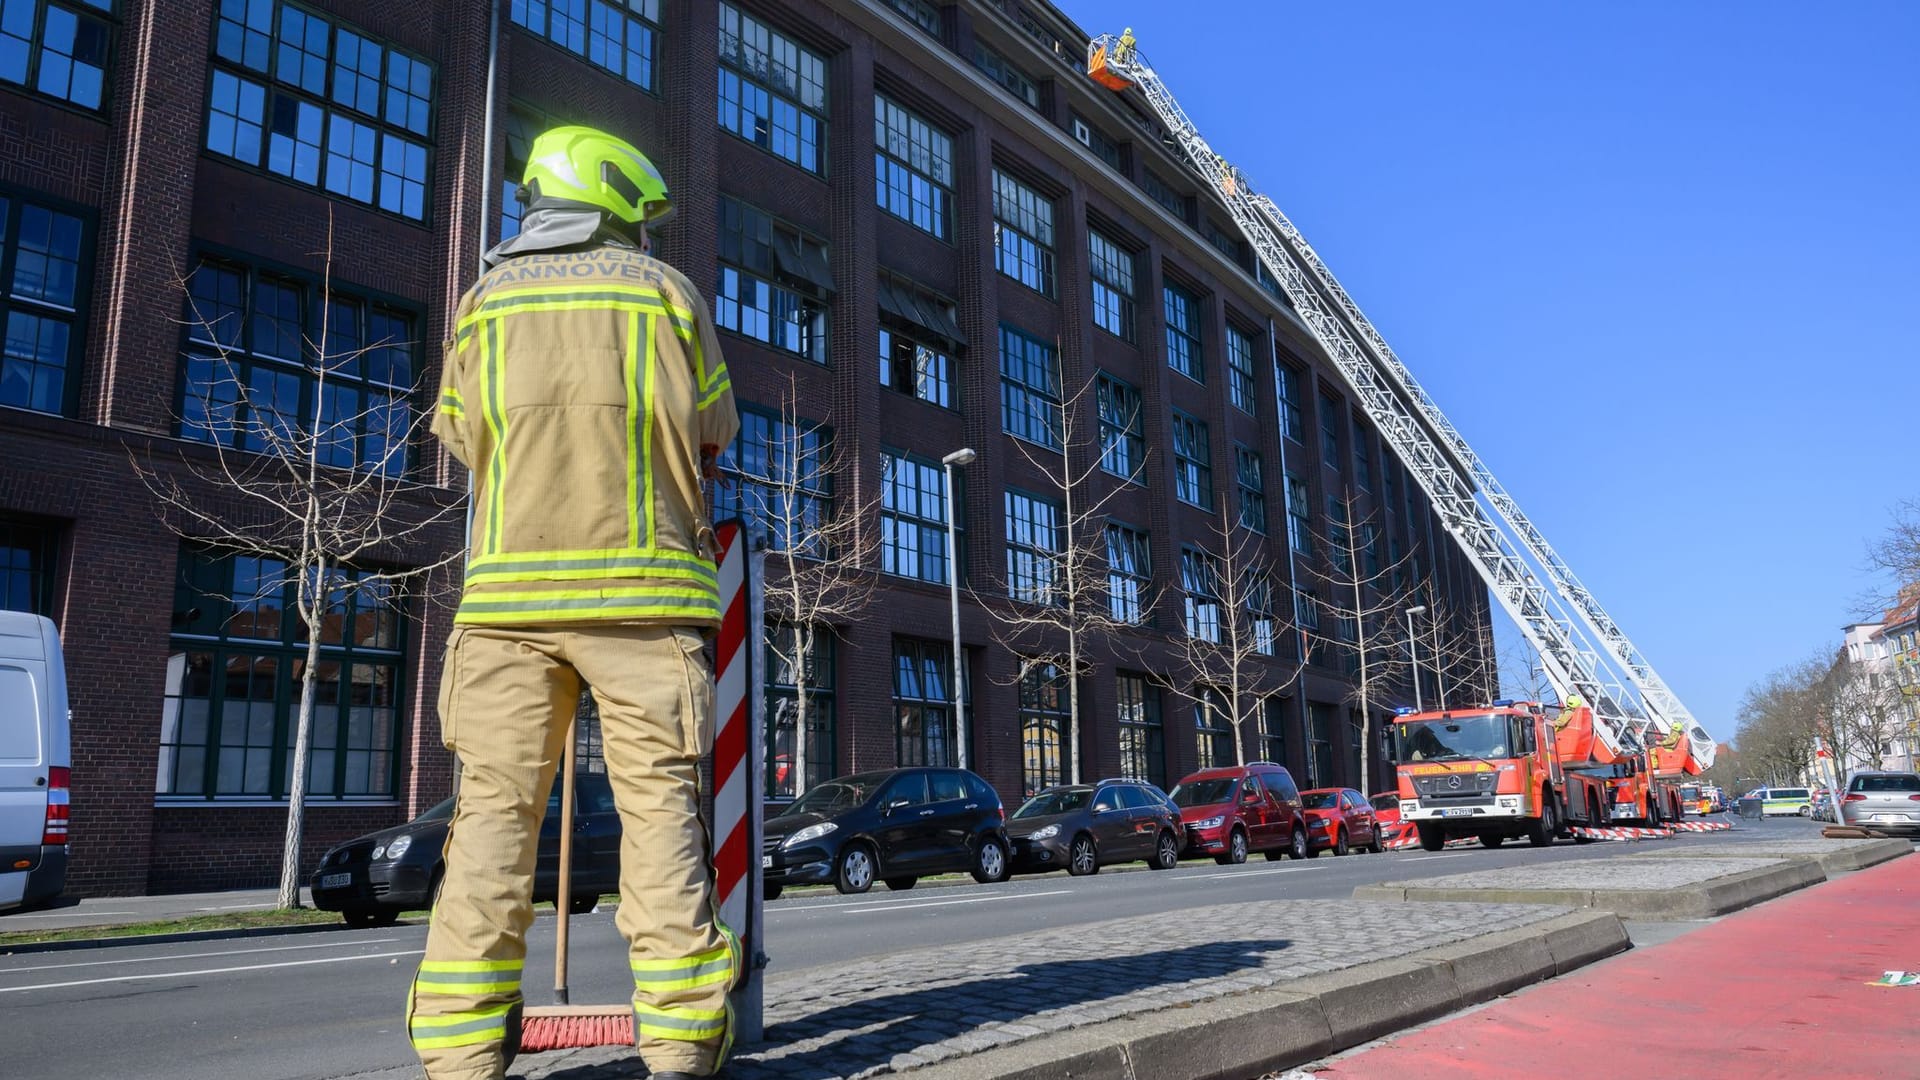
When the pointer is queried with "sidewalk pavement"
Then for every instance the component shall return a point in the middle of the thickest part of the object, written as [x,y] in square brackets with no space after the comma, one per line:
[1238,985]
[1781,990]
[122,910]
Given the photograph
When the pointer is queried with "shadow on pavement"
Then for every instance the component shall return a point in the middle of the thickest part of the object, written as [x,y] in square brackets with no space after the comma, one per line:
[874,1030]
[938,1013]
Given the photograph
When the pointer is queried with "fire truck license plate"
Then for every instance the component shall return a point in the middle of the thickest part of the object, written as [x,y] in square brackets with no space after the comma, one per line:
[1456,813]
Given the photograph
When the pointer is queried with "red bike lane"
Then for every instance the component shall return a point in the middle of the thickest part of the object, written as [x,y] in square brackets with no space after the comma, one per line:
[1782,990]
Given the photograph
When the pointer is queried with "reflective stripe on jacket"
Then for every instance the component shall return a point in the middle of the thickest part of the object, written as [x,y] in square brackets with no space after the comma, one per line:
[580,387]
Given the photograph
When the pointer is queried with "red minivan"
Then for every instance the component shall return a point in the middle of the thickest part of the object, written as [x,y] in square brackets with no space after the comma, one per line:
[1233,811]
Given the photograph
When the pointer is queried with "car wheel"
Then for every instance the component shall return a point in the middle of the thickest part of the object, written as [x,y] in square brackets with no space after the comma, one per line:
[1805,811]
[1082,859]
[1432,837]
[583,905]
[902,884]
[1237,847]
[771,892]
[1492,841]
[1379,845]
[1166,855]
[1340,843]
[855,871]
[1298,847]
[990,862]
[362,918]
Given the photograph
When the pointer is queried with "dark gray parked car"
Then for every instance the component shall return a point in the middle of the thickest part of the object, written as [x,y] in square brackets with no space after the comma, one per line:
[1081,827]
[1884,801]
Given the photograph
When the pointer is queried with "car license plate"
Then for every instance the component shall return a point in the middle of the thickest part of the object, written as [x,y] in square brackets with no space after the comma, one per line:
[1456,813]
[1890,817]
[766,862]
[335,881]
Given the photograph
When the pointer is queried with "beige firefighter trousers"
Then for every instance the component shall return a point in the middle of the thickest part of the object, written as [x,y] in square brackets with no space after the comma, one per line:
[506,697]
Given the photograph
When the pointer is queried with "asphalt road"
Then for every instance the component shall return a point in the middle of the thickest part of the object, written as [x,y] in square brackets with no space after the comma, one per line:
[329,1005]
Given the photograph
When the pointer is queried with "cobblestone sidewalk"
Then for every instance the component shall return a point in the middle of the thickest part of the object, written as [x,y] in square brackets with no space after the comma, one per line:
[914,1008]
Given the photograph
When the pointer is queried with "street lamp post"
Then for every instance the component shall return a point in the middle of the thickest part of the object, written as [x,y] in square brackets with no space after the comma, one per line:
[1413,647]
[964,456]
[1439,671]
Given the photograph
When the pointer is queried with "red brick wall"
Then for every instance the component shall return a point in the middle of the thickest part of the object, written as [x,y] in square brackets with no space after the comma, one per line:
[156,196]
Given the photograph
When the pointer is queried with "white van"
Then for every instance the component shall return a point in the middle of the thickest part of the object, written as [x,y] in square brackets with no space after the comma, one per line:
[34,761]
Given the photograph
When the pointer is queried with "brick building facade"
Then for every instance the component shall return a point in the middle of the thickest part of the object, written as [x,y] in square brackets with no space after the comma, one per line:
[938,176]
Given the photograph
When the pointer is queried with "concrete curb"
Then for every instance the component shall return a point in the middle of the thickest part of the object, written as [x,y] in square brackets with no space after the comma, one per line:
[1716,896]
[1249,1034]
[1856,855]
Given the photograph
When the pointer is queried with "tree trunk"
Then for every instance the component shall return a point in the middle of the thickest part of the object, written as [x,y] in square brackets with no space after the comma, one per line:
[313,611]
[1366,708]
[803,648]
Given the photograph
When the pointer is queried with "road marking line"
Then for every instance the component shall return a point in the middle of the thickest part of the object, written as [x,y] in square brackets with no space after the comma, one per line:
[191,956]
[69,915]
[206,971]
[1248,873]
[1424,858]
[945,903]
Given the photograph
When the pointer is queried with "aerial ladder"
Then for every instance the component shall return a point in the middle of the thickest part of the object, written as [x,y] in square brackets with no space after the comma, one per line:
[1391,396]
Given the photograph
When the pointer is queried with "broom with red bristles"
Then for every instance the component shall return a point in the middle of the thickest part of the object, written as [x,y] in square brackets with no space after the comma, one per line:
[562,1026]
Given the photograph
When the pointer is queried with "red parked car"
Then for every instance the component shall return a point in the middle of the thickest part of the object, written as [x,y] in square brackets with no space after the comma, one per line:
[1386,814]
[1228,813]
[1340,819]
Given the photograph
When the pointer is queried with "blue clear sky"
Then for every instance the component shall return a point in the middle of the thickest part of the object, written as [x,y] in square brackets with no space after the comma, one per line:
[1659,262]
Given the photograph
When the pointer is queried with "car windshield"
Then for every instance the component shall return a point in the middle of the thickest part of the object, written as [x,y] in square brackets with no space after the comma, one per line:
[832,797]
[1897,782]
[439,811]
[1389,801]
[1462,738]
[1204,792]
[1690,794]
[1049,803]
[1319,800]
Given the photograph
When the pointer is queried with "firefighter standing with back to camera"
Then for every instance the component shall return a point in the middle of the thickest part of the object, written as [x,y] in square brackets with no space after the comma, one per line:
[585,389]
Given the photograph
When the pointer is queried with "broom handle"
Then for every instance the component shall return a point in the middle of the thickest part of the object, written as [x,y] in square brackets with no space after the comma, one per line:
[564,894]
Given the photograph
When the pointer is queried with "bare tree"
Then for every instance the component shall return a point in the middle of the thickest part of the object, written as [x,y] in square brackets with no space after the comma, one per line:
[327,495]
[1898,551]
[1366,600]
[1226,659]
[1460,647]
[821,543]
[1860,711]
[1780,722]
[1056,596]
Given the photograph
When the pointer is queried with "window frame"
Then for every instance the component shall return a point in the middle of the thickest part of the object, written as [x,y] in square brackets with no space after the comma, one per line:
[1026,203]
[1293,423]
[1185,339]
[1141,730]
[1203,609]
[1133,604]
[1046,753]
[1115,440]
[749,496]
[924,526]
[1030,411]
[764,81]
[1033,562]
[822,708]
[29,558]
[109,17]
[1242,384]
[74,317]
[926,657]
[245,358]
[1212,726]
[1105,269]
[941,210]
[335,116]
[1192,475]
[654,24]
[1249,479]
[288,649]
[756,228]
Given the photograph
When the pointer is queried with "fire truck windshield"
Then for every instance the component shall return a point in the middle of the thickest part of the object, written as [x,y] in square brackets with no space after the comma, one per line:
[1460,738]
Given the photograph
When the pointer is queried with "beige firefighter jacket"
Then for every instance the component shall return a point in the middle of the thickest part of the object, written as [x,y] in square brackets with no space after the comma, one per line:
[580,388]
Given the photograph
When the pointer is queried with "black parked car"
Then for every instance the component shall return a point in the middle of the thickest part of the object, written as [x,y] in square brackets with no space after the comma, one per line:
[372,879]
[897,826]
[1082,827]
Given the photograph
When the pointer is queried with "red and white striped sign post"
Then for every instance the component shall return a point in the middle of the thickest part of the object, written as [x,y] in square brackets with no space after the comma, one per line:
[737,767]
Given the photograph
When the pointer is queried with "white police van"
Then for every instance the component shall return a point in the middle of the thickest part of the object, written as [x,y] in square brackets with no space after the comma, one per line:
[34,761]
